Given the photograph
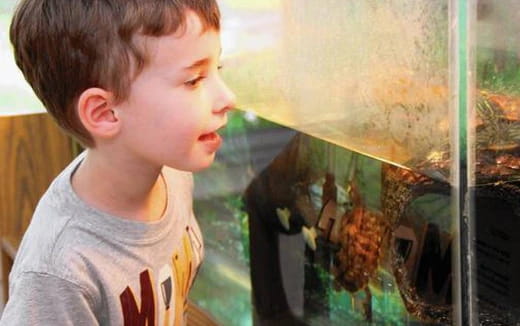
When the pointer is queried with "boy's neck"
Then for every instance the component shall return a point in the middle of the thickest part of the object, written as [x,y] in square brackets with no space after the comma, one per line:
[121,187]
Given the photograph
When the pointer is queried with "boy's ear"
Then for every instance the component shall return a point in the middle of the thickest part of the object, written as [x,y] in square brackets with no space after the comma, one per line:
[97,113]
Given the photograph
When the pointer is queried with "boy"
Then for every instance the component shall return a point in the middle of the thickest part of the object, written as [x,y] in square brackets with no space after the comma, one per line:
[114,241]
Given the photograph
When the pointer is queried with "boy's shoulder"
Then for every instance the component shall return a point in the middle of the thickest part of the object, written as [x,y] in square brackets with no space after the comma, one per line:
[48,243]
[65,232]
[48,247]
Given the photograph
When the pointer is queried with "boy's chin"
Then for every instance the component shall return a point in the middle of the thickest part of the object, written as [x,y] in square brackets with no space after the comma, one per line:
[205,165]
[199,165]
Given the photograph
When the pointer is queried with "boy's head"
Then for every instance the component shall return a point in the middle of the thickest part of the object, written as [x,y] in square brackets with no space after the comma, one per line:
[65,47]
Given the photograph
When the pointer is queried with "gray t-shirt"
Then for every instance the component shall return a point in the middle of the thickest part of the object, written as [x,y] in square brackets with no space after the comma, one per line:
[80,266]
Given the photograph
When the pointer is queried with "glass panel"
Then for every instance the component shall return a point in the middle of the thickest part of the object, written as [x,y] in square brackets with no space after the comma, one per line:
[330,202]
[496,161]
[371,76]
[16,96]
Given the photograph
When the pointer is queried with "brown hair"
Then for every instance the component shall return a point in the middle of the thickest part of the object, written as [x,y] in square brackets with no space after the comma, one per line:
[64,47]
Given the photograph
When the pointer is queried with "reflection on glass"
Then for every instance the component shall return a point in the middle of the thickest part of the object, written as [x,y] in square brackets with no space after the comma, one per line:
[299,231]
[352,239]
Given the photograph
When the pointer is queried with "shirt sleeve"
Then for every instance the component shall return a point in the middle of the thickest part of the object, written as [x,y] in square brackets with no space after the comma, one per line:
[42,299]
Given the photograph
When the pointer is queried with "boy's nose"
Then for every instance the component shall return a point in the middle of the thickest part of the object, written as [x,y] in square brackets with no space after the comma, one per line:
[226,99]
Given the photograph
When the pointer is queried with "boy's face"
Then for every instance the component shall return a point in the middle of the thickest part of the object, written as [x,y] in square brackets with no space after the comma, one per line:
[178,102]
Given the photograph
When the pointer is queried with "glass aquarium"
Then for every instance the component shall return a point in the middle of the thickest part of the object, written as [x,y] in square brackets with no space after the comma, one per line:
[371,173]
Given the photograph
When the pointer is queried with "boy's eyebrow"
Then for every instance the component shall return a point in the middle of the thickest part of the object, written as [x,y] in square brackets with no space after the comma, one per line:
[198,64]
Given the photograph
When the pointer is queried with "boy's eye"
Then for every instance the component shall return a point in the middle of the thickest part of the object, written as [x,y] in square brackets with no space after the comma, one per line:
[195,81]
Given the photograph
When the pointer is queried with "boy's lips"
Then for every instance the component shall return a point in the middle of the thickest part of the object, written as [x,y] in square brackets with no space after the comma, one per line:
[209,136]
[212,141]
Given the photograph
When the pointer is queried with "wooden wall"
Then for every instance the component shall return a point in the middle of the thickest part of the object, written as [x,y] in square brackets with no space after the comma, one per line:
[32,152]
